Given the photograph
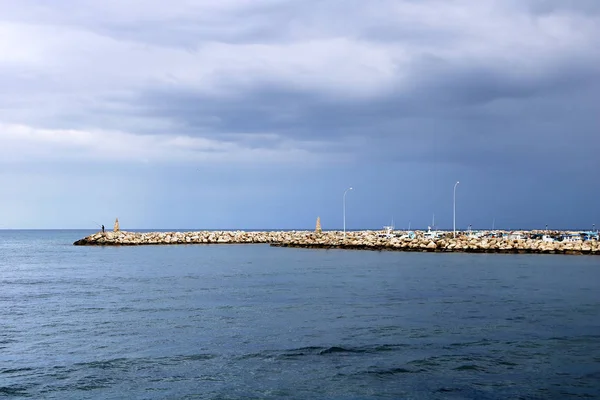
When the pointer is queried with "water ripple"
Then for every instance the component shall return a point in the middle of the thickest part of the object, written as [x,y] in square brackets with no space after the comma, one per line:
[260,322]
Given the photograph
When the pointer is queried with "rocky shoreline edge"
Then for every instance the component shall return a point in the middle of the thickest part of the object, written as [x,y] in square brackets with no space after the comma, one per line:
[355,240]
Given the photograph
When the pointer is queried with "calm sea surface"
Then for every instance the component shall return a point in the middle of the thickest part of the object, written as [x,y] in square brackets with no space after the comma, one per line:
[251,321]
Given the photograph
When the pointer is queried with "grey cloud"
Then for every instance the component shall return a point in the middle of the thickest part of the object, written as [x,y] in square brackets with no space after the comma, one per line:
[558,6]
[449,111]
[446,104]
[466,114]
[258,22]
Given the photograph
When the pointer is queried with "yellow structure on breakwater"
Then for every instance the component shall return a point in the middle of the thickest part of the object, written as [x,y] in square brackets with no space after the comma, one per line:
[358,240]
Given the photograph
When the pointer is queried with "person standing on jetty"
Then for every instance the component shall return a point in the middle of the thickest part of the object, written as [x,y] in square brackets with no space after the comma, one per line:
[102,228]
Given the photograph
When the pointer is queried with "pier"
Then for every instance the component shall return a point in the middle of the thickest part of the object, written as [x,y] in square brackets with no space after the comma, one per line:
[521,242]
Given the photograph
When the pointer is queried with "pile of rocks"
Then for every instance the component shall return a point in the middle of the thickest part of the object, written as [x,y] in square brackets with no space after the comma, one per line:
[369,240]
[364,240]
[123,238]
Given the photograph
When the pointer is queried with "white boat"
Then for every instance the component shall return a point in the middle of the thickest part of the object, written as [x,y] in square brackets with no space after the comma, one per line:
[548,238]
[388,232]
[408,235]
[431,234]
[515,236]
[572,238]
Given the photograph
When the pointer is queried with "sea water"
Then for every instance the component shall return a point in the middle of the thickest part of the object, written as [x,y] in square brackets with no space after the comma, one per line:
[253,321]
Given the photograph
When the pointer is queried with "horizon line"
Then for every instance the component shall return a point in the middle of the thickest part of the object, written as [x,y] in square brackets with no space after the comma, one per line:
[288,229]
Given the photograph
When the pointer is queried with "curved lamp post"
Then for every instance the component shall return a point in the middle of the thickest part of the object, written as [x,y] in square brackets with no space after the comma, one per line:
[454,212]
[344,208]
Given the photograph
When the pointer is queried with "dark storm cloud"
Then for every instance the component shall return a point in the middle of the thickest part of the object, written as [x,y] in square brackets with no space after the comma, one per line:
[449,89]
[466,114]
[236,113]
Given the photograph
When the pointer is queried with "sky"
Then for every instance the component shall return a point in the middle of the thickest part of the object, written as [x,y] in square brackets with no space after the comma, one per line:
[259,114]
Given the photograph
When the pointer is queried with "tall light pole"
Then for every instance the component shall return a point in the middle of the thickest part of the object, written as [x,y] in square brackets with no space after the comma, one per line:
[454,213]
[344,208]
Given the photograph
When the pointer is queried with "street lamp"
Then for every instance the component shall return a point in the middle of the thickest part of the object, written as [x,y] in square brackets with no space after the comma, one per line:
[454,213]
[344,207]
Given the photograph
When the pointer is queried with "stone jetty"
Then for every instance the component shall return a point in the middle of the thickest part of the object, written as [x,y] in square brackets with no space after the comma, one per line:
[124,238]
[357,240]
[369,240]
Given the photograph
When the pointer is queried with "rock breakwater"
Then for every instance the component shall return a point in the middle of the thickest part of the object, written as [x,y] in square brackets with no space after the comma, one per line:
[368,240]
[124,238]
[358,240]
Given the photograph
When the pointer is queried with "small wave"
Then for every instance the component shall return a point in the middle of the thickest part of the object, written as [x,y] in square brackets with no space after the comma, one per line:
[193,357]
[389,347]
[448,390]
[356,350]
[23,282]
[483,342]
[470,367]
[127,363]
[13,390]
[426,362]
[104,364]
[14,370]
[394,371]
[593,375]
[337,349]
[382,373]
[94,384]
[303,351]
[321,351]
[507,363]
[299,352]
[529,345]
